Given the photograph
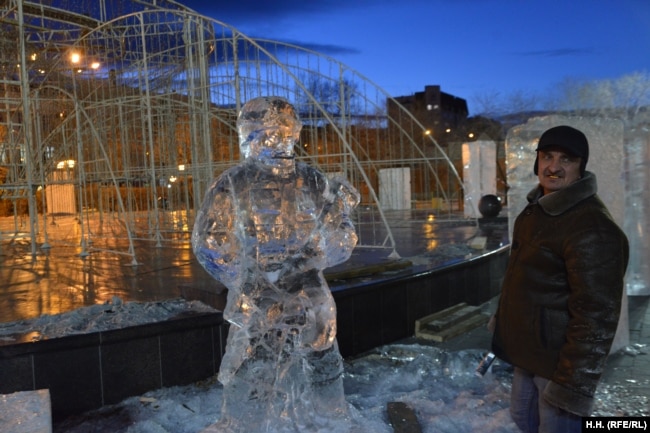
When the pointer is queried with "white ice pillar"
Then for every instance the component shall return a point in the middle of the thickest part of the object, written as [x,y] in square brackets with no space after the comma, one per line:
[60,197]
[479,173]
[395,188]
[637,210]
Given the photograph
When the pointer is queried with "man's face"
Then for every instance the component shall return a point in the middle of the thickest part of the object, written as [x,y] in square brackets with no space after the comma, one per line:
[557,169]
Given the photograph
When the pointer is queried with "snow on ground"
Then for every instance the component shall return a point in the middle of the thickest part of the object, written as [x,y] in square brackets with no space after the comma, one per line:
[101,317]
[439,385]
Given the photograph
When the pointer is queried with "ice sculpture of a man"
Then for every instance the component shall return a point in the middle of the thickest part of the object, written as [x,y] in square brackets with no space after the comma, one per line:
[266,229]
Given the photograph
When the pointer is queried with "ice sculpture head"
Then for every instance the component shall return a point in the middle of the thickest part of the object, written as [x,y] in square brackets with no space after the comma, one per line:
[268,129]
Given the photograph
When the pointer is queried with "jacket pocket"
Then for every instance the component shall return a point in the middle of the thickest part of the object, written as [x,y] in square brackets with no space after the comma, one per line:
[552,327]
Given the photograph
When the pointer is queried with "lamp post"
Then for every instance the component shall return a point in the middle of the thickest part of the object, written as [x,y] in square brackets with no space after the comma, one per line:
[75,59]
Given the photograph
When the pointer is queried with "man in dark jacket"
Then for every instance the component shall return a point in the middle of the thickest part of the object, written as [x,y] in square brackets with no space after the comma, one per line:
[561,296]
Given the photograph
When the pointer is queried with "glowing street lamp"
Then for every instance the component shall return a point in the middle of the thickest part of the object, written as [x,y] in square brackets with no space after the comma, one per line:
[67,164]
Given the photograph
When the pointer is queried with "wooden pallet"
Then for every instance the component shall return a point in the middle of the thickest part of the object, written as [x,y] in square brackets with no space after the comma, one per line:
[450,322]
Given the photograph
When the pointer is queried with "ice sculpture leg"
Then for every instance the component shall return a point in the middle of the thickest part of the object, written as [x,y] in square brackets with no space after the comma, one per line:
[266,229]
[299,392]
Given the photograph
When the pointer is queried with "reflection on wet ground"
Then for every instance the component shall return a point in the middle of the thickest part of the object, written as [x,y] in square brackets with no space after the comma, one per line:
[59,280]
[68,275]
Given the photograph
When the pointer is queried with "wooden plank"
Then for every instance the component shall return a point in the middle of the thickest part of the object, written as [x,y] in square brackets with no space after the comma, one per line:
[453,318]
[460,328]
[419,324]
[402,418]
[372,269]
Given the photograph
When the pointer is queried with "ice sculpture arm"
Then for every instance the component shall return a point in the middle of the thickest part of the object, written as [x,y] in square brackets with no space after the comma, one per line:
[215,239]
[340,236]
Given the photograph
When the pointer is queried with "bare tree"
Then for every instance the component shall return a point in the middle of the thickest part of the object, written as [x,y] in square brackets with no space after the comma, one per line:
[337,98]
[494,103]
[488,104]
[626,97]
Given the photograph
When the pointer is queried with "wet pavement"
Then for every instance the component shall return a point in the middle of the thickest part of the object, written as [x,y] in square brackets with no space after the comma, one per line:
[67,275]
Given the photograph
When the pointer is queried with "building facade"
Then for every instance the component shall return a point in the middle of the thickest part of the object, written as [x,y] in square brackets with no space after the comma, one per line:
[442,114]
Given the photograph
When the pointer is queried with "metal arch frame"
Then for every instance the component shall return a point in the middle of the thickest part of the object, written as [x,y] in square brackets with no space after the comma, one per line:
[403,111]
[89,124]
[387,96]
[340,130]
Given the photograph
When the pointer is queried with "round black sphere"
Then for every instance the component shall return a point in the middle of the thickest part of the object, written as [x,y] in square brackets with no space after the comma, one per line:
[489,205]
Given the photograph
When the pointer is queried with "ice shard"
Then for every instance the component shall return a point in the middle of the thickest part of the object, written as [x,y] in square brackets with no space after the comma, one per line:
[266,229]
[479,173]
[637,207]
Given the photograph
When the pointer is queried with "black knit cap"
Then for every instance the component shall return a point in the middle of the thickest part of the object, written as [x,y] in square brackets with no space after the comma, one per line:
[569,139]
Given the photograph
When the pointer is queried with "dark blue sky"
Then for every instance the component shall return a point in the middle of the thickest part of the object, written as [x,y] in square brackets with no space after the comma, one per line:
[470,47]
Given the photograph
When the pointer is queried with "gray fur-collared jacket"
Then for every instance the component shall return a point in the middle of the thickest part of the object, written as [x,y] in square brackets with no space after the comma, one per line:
[561,296]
